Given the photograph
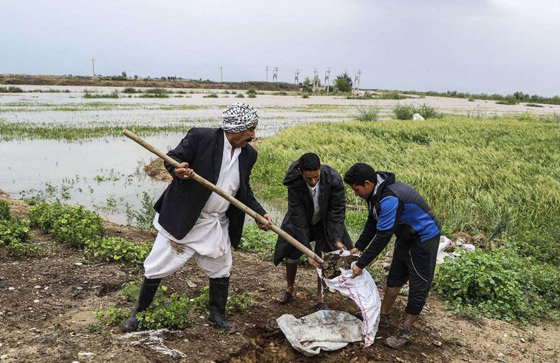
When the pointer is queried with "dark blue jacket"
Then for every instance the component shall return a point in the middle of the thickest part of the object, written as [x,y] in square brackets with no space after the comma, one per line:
[394,208]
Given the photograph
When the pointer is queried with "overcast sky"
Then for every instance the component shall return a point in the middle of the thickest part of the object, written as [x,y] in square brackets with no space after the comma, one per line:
[491,46]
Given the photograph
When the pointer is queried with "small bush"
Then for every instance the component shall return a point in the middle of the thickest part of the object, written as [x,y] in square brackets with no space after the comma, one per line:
[90,94]
[405,112]
[255,240]
[251,92]
[115,249]
[392,96]
[211,95]
[533,105]
[4,210]
[305,95]
[155,93]
[500,284]
[131,90]
[368,114]
[73,225]
[239,95]
[252,96]
[10,89]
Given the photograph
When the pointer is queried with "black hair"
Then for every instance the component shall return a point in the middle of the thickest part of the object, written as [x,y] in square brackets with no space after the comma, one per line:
[309,162]
[359,173]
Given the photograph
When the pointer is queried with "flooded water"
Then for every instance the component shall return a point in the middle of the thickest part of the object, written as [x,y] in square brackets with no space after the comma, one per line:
[106,173]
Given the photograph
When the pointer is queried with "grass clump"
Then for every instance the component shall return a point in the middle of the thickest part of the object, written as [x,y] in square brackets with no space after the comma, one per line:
[155,93]
[211,95]
[239,95]
[368,113]
[500,284]
[405,112]
[90,94]
[255,240]
[131,90]
[144,218]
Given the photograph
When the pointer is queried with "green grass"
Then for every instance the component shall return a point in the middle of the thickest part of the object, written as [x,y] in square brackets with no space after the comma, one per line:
[68,132]
[479,176]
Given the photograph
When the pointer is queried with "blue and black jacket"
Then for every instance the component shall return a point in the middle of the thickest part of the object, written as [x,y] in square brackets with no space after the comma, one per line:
[394,208]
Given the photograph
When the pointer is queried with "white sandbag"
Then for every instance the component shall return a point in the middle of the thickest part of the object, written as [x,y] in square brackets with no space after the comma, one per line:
[417,117]
[363,291]
[325,329]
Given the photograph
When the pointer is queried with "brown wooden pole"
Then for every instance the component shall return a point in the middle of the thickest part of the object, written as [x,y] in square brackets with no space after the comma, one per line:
[229,198]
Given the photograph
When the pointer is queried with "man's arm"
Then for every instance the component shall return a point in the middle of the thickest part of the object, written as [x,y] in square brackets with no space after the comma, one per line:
[184,152]
[386,224]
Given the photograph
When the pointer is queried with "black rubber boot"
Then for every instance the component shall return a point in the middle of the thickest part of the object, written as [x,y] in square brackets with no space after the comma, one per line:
[145,298]
[218,294]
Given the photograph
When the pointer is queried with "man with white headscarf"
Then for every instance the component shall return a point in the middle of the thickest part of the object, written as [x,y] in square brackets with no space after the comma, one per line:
[193,222]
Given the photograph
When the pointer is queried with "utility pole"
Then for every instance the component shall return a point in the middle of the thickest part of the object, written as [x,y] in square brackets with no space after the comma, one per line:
[275,75]
[221,75]
[267,73]
[93,66]
[327,79]
[357,81]
[296,79]
[315,80]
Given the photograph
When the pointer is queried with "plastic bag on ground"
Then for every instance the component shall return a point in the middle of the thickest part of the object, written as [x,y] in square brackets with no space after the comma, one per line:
[363,291]
[325,329]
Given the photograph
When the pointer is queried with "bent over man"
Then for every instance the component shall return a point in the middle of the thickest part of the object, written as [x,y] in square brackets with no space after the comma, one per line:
[316,212]
[194,222]
[396,208]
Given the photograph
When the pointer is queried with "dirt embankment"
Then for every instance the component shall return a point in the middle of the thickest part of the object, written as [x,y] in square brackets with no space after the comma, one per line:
[47,302]
[49,80]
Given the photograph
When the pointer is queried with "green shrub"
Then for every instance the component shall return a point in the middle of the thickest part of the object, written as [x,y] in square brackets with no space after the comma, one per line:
[73,225]
[405,112]
[130,90]
[254,239]
[211,95]
[10,89]
[392,96]
[4,210]
[115,249]
[500,284]
[239,95]
[155,93]
[305,95]
[252,95]
[251,92]
[14,233]
[367,114]
[90,94]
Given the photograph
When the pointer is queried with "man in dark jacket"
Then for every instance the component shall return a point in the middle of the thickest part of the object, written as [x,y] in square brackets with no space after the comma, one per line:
[316,212]
[195,223]
[396,208]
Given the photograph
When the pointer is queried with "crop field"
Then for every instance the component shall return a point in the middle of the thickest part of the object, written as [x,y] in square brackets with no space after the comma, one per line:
[490,172]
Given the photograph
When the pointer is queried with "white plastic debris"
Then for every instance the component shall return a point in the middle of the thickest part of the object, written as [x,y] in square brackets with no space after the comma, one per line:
[151,339]
[417,117]
[468,247]
[363,291]
[323,330]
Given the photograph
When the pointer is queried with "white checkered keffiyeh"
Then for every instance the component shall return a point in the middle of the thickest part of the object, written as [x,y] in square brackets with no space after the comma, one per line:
[239,117]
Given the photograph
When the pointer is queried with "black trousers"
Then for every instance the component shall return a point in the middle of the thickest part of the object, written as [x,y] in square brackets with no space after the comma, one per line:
[414,261]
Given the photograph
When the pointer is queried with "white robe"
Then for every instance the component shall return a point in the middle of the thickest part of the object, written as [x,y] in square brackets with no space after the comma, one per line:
[208,240]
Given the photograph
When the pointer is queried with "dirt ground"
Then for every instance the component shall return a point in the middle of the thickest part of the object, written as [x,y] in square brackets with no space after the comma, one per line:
[46,304]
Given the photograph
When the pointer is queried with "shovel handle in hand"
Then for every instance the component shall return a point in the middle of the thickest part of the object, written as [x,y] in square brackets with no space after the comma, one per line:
[310,254]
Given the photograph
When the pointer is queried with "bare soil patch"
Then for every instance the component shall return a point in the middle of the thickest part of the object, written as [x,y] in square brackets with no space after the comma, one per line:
[46,304]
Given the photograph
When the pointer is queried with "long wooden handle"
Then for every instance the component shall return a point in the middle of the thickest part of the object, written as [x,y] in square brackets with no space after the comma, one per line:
[229,198]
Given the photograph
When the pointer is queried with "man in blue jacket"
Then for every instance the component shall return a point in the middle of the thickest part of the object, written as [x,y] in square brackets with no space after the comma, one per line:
[396,209]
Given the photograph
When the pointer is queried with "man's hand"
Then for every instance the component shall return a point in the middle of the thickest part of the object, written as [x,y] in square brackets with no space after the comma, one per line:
[356,271]
[265,226]
[314,263]
[184,172]
[355,251]
[339,245]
